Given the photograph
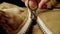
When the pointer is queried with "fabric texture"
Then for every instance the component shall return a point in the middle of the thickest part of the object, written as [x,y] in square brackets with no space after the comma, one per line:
[12,17]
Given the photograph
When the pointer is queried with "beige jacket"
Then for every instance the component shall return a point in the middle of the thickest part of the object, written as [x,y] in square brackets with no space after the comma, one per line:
[22,16]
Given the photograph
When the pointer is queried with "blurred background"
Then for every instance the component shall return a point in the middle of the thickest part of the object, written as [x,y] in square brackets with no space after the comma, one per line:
[16,2]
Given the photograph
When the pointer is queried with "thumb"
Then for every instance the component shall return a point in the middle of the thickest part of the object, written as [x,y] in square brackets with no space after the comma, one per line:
[32,3]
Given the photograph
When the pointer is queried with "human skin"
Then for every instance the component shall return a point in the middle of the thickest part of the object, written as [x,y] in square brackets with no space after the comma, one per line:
[32,3]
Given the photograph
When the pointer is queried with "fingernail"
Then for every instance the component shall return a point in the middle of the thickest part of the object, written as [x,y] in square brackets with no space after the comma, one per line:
[43,6]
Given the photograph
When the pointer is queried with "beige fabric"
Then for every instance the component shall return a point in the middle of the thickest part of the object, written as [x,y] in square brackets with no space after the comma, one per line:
[36,29]
[12,18]
[51,19]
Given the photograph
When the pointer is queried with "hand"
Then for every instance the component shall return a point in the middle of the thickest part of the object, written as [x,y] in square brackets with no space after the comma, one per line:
[32,3]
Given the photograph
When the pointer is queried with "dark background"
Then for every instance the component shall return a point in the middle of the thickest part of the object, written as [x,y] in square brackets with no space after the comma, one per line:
[16,2]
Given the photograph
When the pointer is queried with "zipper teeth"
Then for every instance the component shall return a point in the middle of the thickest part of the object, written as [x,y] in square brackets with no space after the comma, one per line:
[43,30]
[25,28]
[43,27]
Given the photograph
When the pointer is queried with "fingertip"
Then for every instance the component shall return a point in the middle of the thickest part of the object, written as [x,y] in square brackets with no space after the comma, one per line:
[23,1]
[42,5]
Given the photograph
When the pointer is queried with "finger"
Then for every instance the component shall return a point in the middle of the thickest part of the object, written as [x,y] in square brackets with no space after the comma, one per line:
[32,3]
[42,4]
[23,1]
